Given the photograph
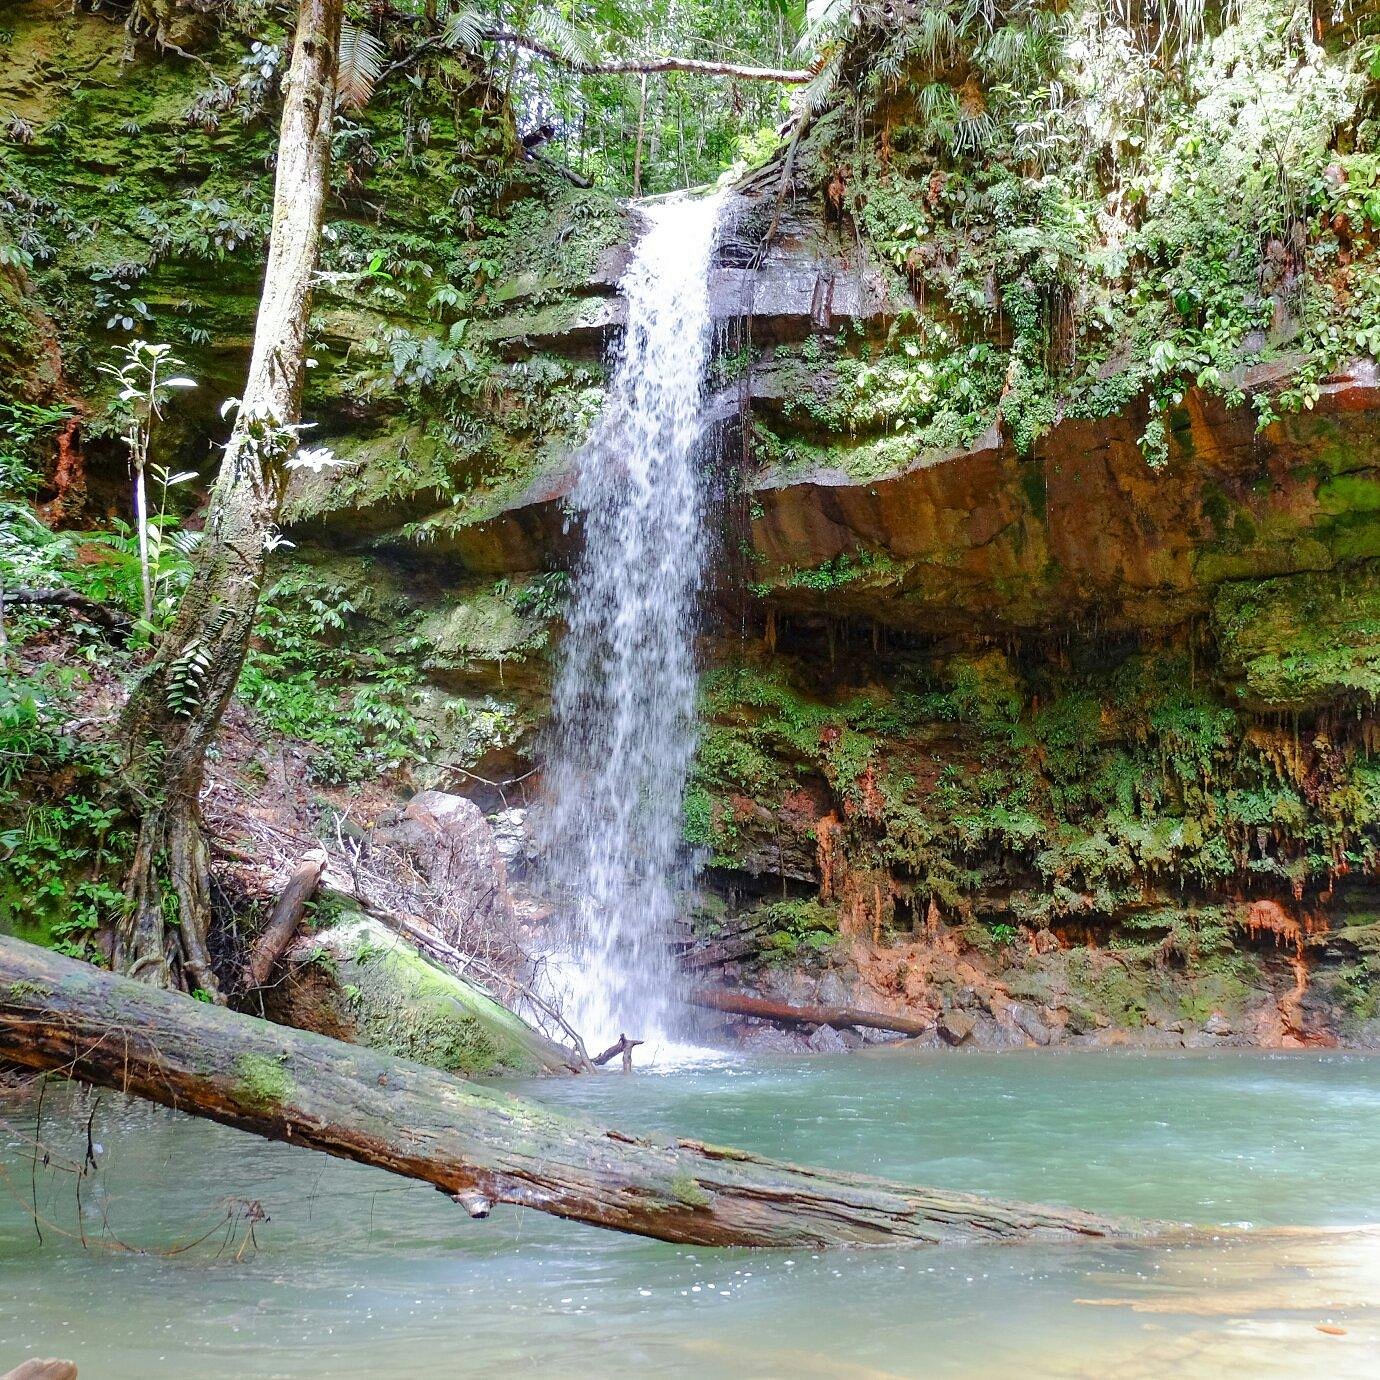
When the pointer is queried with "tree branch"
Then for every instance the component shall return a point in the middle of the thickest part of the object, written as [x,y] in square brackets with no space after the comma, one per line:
[786,76]
[92,610]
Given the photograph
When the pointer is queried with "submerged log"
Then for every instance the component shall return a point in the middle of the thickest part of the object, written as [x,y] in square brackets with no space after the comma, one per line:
[783,1013]
[42,1370]
[477,1145]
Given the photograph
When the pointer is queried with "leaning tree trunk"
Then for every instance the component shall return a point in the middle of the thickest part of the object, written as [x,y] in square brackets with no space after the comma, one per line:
[175,709]
[478,1145]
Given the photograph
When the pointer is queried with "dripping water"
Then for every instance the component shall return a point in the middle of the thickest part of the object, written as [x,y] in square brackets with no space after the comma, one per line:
[624,703]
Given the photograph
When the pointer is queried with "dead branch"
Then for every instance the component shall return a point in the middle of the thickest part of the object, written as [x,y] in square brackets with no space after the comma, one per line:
[287,916]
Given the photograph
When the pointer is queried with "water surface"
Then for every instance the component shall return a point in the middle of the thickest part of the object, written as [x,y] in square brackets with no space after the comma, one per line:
[356,1273]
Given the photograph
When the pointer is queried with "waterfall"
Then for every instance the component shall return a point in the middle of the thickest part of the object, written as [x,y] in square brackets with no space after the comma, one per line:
[624,703]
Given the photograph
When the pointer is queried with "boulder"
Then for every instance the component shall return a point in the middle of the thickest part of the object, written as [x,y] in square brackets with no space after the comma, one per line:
[1028,1022]
[510,838]
[361,982]
[833,991]
[956,1026]
[453,846]
[827,1040]
[989,1033]
[1217,1024]
[761,1038]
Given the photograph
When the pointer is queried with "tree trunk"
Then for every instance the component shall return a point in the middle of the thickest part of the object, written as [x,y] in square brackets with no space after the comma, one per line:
[475,1144]
[783,1013]
[175,709]
[641,130]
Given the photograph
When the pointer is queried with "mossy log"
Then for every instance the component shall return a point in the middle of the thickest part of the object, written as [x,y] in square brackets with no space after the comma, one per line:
[478,1145]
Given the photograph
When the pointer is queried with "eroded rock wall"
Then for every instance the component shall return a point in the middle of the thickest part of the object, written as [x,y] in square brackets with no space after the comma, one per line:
[1039,686]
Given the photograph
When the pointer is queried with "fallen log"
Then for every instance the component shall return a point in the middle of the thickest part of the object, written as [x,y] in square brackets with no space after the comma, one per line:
[783,1013]
[282,925]
[103,616]
[476,1144]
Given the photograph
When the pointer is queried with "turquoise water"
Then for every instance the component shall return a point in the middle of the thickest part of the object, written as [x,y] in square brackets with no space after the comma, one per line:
[355,1273]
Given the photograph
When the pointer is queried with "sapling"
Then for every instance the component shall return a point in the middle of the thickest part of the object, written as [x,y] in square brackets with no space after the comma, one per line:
[145,374]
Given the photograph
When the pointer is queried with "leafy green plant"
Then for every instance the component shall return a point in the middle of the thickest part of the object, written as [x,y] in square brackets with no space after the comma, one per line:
[146,377]
[146,576]
[544,596]
[57,856]
[799,929]
[30,552]
[360,709]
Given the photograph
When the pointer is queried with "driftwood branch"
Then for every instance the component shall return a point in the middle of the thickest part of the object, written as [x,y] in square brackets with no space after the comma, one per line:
[624,1047]
[287,916]
[475,1144]
[741,1004]
[783,76]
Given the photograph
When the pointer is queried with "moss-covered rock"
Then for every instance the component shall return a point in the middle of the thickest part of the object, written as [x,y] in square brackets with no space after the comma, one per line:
[360,981]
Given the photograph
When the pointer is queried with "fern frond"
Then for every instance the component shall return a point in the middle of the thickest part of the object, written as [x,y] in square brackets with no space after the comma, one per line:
[815,94]
[569,43]
[361,65]
[825,28]
[465,30]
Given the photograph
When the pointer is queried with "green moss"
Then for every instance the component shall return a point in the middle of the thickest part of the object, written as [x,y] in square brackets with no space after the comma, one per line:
[687,1191]
[261,1084]
[798,930]
[505,622]
[25,988]
[1304,640]
[402,1003]
[1035,487]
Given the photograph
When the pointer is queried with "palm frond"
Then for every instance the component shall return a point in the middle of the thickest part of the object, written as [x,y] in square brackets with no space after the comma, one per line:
[361,65]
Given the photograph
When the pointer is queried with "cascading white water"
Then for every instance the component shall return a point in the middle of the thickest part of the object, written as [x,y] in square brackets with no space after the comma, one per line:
[624,708]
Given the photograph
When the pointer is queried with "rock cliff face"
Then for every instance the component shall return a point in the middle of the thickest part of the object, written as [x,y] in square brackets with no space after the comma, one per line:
[1048,727]
[1059,739]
